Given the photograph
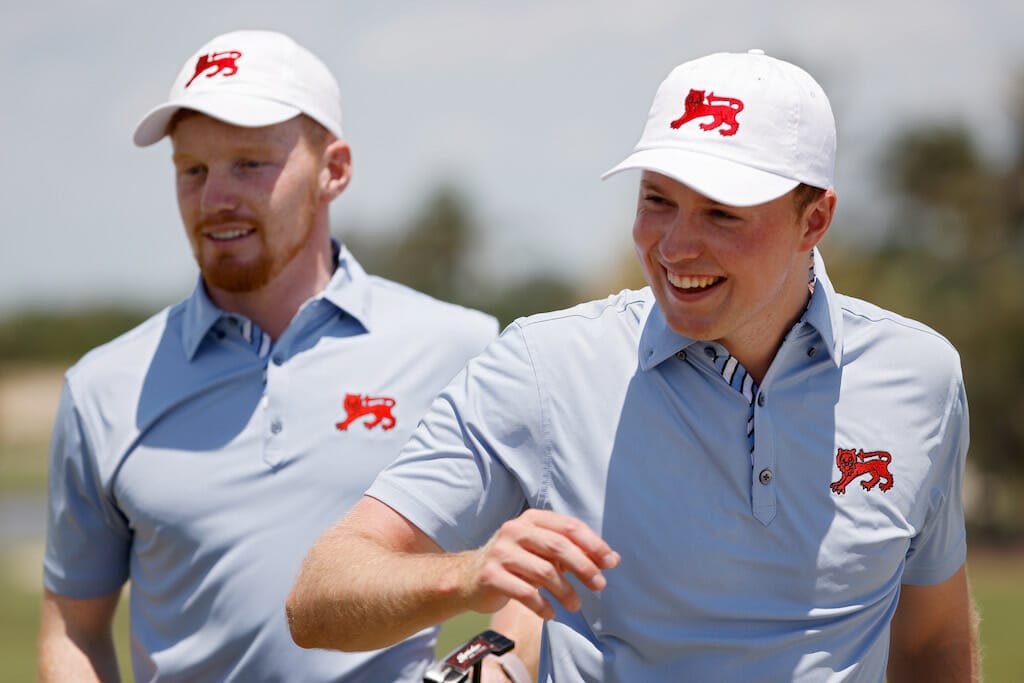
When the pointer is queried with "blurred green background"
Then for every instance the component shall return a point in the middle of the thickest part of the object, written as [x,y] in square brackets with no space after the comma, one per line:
[951,254]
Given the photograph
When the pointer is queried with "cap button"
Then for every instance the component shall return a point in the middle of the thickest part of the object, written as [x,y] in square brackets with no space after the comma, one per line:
[755,51]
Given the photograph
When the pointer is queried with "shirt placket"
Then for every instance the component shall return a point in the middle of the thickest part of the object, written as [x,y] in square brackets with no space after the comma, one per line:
[762,491]
[274,378]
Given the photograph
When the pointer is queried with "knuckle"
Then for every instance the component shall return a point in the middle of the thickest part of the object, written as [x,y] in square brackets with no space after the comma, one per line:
[559,546]
[524,593]
[512,528]
[548,574]
[571,525]
[490,573]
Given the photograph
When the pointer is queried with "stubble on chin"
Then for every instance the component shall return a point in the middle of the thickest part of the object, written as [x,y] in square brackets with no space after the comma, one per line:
[226,274]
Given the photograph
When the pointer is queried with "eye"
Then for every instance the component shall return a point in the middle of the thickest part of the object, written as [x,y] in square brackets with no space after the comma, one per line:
[656,199]
[192,171]
[248,164]
[722,215]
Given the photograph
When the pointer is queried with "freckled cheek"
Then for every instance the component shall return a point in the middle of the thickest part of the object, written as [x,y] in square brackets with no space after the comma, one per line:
[645,235]
[186,204]
[645,241]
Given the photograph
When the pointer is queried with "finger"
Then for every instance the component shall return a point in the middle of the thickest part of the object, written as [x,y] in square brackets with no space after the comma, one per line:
[540,572]
[566,542]
[595,547]
[557,554]
[496,577]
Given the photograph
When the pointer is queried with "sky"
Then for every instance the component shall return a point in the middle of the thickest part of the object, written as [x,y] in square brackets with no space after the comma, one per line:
[522,105]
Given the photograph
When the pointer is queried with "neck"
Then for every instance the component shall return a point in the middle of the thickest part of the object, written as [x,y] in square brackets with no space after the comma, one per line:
[273,306]
[755,348]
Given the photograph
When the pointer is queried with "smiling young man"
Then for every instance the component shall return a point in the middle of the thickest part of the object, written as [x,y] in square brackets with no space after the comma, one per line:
[734,474]
[199,455]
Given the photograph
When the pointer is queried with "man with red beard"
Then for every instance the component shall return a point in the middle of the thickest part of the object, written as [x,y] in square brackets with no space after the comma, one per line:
[200,454]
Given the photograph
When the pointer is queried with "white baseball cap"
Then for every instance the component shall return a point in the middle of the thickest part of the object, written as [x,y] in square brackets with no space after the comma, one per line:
[740,128]
[251,79]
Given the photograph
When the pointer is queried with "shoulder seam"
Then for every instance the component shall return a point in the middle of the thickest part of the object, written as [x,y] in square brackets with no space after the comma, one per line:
[575,312]
[905,323]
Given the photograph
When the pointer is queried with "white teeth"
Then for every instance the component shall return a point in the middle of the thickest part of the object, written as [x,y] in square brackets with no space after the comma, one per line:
[228,234]
[691,282]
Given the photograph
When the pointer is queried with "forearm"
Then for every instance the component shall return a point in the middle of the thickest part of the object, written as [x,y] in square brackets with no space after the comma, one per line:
[375,578]
[74,650]
[355,594]
[62,659]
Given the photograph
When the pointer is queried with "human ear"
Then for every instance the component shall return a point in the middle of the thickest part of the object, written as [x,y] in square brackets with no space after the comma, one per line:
[337,169]
[816,219]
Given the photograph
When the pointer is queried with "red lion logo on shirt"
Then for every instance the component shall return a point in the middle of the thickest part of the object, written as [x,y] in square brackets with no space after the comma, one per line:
[220,62]
[378,408]
[723,111]
[853,464]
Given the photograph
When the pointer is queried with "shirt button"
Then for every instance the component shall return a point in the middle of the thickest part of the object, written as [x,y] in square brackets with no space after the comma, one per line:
[681,355]
[276,427]
[709,351]
[765,477]
[811,351]
[761,399]
[278,359]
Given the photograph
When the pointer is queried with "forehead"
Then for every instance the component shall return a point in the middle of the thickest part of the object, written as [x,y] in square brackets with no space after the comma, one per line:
[654,181]
[196,131]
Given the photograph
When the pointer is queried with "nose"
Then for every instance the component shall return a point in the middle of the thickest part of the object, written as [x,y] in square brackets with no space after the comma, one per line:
[219,192]
[682,239]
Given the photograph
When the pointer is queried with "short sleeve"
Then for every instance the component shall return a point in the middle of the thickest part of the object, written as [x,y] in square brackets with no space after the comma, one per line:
[477,457]
[87,539]
[941,546]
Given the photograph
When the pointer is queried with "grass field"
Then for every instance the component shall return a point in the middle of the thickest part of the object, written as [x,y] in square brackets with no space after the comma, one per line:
[27,404]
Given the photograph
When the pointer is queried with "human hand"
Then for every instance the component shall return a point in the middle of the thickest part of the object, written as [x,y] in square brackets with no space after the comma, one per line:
[535,551]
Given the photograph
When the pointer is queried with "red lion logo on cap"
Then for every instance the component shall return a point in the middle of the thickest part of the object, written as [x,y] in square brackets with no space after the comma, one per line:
[722,109]
[853,464]
[220,62]
[379,408]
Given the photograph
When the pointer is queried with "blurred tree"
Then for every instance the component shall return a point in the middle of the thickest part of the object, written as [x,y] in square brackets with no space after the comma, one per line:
[62,336]
[437,253]
[434,254]
[535,294]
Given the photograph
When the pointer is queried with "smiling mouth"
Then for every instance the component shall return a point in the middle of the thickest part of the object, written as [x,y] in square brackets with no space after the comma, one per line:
[692,282]
[225,235]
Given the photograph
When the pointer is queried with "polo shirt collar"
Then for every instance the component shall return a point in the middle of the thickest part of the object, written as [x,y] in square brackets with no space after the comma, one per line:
[201,314]
[348,289]
[658,342]
[824,312]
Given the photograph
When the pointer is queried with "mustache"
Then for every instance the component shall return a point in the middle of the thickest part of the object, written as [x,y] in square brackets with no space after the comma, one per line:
[225,218]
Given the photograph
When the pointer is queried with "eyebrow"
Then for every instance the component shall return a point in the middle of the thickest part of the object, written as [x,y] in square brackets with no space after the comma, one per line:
[241,150]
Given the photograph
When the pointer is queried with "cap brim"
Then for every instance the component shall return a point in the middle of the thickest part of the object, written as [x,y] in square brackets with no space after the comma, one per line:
[237,109]
[722,180]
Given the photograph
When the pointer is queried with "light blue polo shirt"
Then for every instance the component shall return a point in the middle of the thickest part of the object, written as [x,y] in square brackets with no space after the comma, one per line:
[737,565]
[201,460]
